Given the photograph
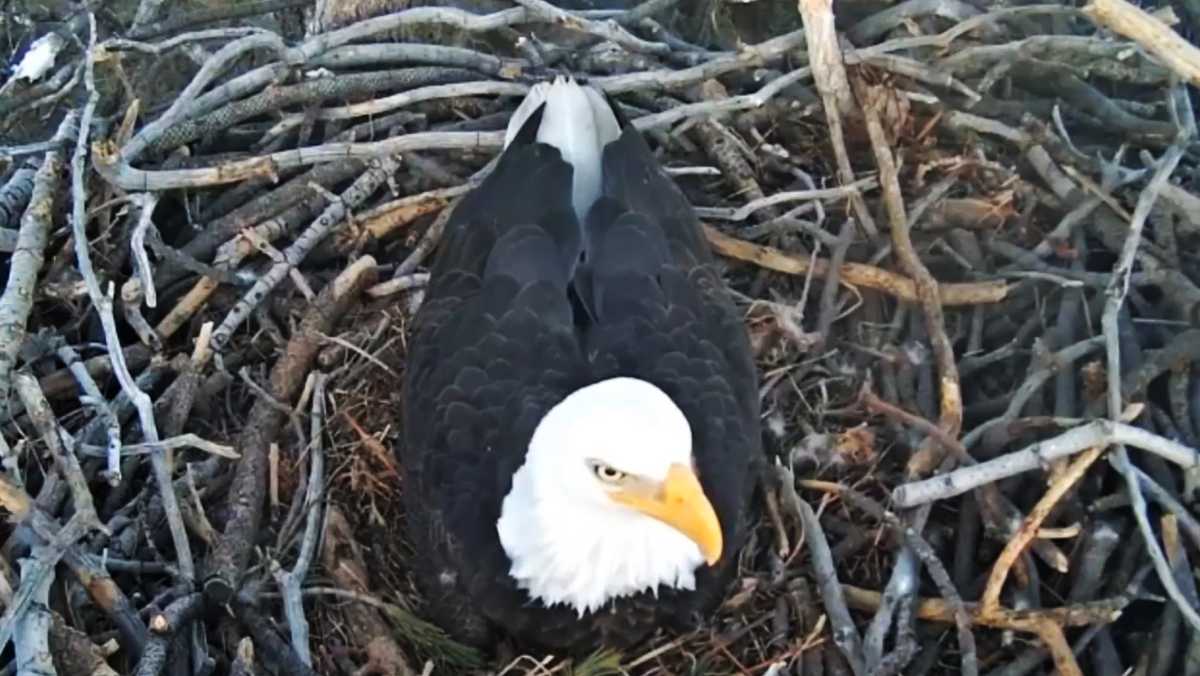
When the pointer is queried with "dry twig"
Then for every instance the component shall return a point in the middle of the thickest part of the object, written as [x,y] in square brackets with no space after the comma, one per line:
[287,376]
[290,581]
[1158,38]
[853,274]
[28,254]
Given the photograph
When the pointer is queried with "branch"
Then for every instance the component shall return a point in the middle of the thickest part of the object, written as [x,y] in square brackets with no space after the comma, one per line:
[75,652]
[1115,293]
[378,171]
[990,601]
[94,398]
[115,170]
[37,567]
[845,633]
[26,260]
[825,59]
[103,304]
[290,582]
[930,454]
[14,197]
[609,30]
[853,274]
[39,411]
[1136,24]
[924,551]
[31,637]
[246,493]
[1038,454]
[165,627]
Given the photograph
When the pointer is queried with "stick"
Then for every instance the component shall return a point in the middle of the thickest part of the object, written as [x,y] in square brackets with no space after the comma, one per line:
[14,197]
[441,55]
[187,98]
[899,597]
[290,581]
[165,627]
[39,412]
[94,398]
[116,167]
[415,280]
[924,551]
[609,30]
[335,214]
[26,260]
[121,174]
[36,568]
[1188,521]
[305,204]
[743,212]
[147,11]
[315,90]
[366,627]
[1136,24]
[407,98]
[137,245]
[273,650]
[173,24]
[107,596]
[845,633]
[929,455]
[103,305]
[990,600]
[14,499]
[937,610]
[853,274]
[1182,108]
[825,59]
[246,493]
[243,661]
[75,652]
[189,104]
[999,514]
[185,440]
[31,637]
[1095,433]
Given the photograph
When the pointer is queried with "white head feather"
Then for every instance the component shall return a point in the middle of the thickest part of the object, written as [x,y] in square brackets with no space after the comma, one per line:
[569,540]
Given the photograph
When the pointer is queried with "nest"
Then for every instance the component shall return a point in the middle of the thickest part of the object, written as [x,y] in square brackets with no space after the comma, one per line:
[964,239]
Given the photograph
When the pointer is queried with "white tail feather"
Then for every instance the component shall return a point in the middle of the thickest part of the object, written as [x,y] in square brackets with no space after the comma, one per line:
[579,122]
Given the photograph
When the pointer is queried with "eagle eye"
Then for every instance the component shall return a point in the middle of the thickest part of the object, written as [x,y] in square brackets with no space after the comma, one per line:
[607,473]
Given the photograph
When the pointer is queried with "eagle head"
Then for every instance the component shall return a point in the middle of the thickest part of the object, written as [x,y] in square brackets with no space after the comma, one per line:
[608,502]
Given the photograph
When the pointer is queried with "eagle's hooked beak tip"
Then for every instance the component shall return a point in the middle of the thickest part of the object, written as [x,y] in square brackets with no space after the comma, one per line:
[682,504]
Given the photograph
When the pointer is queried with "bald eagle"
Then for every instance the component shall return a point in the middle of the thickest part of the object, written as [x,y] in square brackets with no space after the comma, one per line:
[581,403]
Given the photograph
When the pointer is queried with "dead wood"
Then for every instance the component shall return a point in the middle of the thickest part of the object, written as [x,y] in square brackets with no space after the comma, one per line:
[229,559]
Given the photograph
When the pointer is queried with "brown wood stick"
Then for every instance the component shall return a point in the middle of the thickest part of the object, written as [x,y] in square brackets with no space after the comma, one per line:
[368,630]
[853,274]
[829,73]
[929,455]
[938,610]
[990,602]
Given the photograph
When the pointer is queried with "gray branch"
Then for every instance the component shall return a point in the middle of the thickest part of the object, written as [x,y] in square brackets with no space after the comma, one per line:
[28,256]
[104,309]
[290,582]
[32,633]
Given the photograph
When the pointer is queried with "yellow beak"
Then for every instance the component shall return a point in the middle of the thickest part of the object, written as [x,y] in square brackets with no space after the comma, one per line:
[680,502]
